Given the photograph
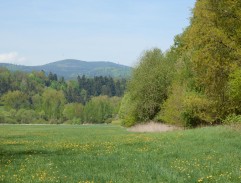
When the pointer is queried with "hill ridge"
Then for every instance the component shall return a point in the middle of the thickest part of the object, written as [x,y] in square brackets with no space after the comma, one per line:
[71,68]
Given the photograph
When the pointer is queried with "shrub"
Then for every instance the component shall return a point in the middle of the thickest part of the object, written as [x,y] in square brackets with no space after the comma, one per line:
[26,116]
[73,121]
[232,119]
[55,121]
[100,109]
[173,107]
[127,111]
[197,110]
[8,117]
[186,108]
[73,110]
[10,120]
[15,99]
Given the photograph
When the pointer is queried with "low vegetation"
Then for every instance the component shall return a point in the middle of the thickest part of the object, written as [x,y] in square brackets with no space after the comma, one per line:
[109,153]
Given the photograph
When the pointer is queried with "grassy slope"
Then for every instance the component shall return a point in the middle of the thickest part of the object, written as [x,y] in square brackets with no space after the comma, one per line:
[111,154]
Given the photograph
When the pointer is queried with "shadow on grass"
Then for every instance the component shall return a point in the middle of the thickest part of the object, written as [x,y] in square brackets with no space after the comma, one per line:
[26,152]
[9,153]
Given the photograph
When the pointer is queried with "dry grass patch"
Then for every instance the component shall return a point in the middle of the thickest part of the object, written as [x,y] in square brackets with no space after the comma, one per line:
[153,127]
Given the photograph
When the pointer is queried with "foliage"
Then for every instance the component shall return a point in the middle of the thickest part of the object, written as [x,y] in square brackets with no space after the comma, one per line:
[100,109]
[127,111]
[26,116]
[73,110]
[214,41]
[100,85]
[233,119]
[51,99]
[197,110]
[8,117]
[15,99]
[185,108]
[53,103]
[234,89]
[4,81]
[173,107]
[148,87]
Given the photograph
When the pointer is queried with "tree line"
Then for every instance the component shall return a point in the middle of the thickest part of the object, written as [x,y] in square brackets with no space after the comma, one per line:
[198,80]
[40,98]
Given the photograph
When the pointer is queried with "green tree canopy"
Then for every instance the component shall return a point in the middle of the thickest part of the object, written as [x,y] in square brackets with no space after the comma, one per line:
[15,100]
[53,103]
[214,41]
[148,86]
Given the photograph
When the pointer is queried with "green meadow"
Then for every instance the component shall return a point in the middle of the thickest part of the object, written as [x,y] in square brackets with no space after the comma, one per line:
[109,153]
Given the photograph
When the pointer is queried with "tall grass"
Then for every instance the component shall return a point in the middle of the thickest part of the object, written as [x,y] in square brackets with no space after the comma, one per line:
[108,153]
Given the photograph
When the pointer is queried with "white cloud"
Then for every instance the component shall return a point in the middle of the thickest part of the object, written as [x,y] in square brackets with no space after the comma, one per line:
[12,57]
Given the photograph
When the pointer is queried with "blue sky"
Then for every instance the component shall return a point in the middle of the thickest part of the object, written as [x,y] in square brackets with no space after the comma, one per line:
[35,32]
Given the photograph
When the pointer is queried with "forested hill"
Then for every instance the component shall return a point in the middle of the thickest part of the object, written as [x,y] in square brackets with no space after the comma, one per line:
[72,68]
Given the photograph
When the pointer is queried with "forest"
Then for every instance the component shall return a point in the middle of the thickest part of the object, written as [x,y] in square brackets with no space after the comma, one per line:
[38,97]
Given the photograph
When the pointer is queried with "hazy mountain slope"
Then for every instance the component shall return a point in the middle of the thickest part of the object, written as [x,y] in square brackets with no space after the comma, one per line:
[72,68]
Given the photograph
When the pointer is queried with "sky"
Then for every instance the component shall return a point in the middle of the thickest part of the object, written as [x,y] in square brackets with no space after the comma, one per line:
[36,32]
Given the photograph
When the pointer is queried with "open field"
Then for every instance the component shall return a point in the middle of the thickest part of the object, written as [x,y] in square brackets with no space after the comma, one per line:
[108,153]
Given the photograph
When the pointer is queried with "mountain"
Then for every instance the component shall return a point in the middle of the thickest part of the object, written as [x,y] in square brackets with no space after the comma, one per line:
[70,68]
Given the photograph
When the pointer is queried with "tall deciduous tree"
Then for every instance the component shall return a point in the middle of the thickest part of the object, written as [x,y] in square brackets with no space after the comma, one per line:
[148,86]
[53,103]
[213,39]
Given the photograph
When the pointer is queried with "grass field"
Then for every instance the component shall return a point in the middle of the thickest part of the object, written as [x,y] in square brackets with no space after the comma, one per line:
[108,153]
